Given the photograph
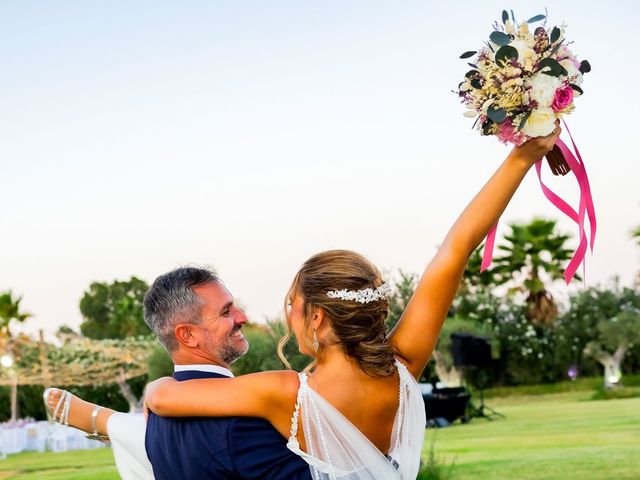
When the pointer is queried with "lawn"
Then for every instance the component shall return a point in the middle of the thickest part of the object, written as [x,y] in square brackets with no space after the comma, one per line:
[557,436]
[77,465]
[554,436]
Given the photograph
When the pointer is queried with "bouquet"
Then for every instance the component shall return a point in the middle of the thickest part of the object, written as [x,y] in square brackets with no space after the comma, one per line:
[519,85]
[521,82]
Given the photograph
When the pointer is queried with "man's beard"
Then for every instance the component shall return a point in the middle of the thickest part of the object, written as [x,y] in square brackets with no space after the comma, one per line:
[229,353]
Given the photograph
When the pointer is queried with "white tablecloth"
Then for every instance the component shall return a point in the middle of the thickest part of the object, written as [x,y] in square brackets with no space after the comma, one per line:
[41,436]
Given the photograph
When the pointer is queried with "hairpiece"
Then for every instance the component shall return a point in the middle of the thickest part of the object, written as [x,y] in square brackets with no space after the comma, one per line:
[366,295]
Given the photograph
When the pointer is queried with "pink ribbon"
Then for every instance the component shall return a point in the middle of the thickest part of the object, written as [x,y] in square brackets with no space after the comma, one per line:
[585,210]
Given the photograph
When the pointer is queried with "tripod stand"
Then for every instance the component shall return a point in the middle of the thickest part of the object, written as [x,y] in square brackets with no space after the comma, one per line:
[482,411]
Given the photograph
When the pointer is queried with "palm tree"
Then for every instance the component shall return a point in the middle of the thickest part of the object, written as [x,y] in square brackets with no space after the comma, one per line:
[636,234]
[10,310]
[533,250]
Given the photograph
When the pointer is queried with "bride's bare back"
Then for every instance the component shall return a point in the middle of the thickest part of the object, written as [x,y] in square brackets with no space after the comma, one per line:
[369,403]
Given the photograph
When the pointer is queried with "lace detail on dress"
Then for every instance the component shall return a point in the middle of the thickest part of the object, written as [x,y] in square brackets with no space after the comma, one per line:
[337,450]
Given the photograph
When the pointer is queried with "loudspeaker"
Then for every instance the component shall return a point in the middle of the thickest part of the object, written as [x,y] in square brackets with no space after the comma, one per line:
[469,350]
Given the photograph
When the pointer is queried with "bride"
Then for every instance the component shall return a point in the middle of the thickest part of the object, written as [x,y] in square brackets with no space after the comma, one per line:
[358,414]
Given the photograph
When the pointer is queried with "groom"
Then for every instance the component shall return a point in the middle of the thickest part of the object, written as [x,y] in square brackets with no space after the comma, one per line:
[194,317]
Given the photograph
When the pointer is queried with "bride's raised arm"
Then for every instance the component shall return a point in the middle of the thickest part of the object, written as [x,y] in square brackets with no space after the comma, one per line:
[416,334]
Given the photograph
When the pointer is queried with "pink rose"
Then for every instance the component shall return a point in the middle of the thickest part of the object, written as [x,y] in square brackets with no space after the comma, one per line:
[562,98]
[508,134]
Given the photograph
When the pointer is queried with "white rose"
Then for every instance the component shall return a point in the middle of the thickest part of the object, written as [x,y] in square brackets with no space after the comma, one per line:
[540,123]
[542,88]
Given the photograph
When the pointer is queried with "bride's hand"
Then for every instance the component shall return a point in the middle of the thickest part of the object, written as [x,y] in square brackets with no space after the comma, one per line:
[533,150]
[150,393]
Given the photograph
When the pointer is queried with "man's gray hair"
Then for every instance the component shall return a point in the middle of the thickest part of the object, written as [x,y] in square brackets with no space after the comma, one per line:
[171,301]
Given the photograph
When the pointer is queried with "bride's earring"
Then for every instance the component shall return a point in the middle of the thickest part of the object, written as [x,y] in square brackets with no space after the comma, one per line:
[316,344]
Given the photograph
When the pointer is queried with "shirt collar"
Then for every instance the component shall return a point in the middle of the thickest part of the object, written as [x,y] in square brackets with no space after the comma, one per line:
[203,367]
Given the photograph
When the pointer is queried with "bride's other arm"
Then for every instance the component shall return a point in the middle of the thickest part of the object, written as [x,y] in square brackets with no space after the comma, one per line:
[268,395]
[416,334]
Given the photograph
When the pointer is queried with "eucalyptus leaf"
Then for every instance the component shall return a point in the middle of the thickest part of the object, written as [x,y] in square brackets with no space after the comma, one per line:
[472,65]
[500,38]
[523,122]
[486,125]
[476,83]
[555,69]
[471,73]
[513,18]
[535,19]
[505,54]
[468,54]
[505,16]
[555,35]
[576,88]
[497,115]
[585,66]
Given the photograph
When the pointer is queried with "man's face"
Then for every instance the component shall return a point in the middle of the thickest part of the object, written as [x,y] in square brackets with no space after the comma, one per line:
[220,330]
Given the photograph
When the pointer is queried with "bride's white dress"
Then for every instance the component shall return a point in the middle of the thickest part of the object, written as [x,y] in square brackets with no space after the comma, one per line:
[337,450]
[127,432]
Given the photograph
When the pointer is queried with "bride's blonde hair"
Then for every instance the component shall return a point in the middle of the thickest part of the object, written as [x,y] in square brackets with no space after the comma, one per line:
[358,328]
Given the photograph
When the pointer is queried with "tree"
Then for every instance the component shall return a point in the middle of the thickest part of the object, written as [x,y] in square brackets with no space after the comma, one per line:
[473,279]
[10,310]
[604,324]
[636,234]
[114,310]
[532,251]
[401,293]
[263,346]
[84,362]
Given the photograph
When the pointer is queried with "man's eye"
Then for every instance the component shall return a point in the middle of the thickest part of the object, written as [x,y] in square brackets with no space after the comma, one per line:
[226,313]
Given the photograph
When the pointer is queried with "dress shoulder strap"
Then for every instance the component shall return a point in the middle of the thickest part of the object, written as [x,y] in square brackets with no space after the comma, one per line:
[293,433]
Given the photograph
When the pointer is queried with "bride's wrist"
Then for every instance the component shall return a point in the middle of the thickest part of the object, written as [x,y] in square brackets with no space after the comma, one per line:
[522,160]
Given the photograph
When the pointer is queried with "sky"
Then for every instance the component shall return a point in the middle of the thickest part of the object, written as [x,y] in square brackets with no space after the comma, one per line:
[139,136]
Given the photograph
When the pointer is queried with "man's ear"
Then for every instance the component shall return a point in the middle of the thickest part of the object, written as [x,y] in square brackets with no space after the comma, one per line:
[186,334]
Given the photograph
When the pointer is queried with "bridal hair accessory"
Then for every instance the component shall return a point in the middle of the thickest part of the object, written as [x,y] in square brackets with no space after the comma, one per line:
[366,295]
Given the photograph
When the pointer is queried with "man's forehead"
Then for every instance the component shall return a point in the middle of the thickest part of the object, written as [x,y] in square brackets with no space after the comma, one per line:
[214,295]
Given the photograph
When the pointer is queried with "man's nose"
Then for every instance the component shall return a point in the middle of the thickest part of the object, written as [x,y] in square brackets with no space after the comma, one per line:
[241,318]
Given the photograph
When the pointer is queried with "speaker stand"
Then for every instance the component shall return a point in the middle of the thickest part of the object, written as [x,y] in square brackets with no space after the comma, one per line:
[483,411]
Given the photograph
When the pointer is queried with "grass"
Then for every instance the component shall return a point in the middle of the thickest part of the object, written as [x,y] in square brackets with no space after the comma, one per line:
[578,385]
[76,465]
[554,436]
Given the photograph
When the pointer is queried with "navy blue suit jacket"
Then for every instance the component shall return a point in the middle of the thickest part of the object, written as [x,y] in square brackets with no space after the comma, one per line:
[233,448]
